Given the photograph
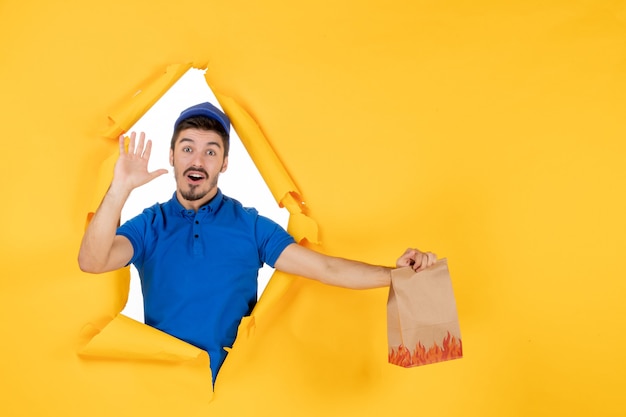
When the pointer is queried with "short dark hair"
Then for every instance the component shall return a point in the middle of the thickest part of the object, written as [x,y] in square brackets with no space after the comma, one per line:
[202,123]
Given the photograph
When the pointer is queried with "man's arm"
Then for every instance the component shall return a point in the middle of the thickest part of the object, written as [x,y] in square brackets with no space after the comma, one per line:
[298,260]
[101,250]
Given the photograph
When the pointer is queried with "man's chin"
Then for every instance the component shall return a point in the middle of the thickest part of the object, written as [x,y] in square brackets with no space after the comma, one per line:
[193,196]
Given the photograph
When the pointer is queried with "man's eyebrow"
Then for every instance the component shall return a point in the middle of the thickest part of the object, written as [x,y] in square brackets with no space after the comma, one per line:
[219,145]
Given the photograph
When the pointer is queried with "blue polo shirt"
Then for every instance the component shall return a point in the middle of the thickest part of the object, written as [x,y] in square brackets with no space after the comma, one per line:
[199,269]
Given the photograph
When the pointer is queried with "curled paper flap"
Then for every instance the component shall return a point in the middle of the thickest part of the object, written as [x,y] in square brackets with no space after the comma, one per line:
[132,110]
[271,168]
[126,339]
[303,227]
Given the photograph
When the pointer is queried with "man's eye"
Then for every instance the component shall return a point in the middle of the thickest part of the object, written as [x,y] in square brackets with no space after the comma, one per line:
[211,153]
[186,149]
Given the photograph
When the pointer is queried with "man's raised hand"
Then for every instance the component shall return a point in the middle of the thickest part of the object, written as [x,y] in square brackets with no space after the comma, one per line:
[131,168]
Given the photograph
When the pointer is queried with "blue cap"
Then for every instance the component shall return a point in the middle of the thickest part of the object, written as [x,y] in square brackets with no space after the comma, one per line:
[207,110]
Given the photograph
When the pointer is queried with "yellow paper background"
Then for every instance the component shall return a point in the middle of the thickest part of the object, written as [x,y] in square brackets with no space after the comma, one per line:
[492,133]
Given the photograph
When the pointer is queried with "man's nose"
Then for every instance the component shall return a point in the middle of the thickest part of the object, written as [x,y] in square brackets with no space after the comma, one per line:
[197,160]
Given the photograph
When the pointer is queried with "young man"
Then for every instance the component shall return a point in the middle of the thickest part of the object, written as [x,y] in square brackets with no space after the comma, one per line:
[198,254]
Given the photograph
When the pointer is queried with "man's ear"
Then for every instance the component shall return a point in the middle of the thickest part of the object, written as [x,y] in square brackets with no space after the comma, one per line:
[224,165]
[171,157]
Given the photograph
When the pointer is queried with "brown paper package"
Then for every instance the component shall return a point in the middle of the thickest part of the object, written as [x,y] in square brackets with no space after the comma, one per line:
[422,320]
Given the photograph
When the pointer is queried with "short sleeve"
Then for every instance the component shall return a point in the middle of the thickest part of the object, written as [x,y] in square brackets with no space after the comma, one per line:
[272,239]
[135,231]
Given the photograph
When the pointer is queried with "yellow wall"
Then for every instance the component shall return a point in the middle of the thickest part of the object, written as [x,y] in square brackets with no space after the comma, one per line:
[489,132]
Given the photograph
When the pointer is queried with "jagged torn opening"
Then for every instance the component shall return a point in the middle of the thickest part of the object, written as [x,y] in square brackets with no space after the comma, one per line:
[121,337]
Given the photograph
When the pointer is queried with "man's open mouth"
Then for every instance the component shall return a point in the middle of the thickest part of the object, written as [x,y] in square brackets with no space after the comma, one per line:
[196,176]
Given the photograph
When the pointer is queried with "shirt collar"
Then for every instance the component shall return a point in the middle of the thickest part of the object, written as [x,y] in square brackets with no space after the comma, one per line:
[210,207]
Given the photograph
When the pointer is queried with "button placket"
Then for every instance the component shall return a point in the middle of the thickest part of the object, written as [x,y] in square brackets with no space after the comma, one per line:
[197,242]
[198,218]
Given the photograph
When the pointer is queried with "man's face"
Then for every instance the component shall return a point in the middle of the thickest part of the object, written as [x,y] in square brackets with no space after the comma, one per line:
[198,160]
